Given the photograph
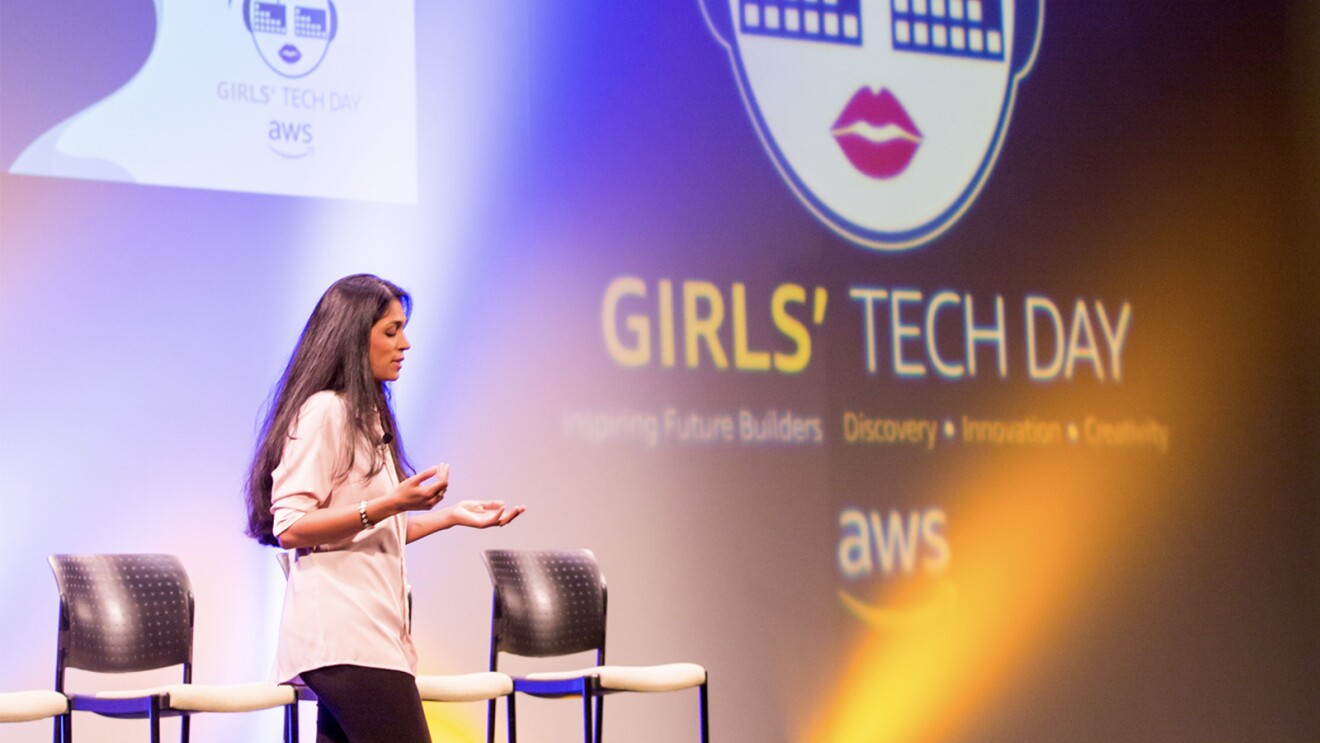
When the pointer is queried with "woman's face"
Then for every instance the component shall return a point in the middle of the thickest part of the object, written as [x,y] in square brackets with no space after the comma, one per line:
[388,344]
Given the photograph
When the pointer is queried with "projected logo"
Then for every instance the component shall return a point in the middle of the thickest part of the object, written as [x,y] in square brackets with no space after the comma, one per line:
[877,547]
[291,37]
[885,117]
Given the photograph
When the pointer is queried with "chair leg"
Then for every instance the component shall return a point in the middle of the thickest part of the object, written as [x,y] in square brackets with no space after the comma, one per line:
[490,720]
[600,716]
[291,722]
[185,728]
[511,723]
[153,719]
[586,713]
[64,728]
[705,725]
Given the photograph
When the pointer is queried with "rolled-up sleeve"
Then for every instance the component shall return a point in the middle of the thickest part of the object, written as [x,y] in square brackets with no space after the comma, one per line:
[312,460]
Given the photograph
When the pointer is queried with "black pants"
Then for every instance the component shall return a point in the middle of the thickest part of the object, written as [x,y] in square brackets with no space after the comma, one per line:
[366,705]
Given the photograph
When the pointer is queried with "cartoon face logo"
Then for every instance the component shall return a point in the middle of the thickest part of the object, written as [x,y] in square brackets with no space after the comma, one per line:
[291,36]
[885,117]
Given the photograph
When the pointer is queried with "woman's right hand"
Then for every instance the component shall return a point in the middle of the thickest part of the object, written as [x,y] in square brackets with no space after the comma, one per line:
[416,494]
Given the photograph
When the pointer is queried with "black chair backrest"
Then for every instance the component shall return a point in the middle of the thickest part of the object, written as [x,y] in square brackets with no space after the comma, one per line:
[547,602]
[122,613]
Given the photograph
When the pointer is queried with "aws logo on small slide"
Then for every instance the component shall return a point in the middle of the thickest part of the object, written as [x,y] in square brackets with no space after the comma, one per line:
[885,117]
[291,37]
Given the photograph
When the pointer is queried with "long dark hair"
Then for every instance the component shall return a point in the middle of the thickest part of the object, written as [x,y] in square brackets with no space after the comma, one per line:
[331,354]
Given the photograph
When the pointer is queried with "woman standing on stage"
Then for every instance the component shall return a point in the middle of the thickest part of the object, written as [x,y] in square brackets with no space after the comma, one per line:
[329,481]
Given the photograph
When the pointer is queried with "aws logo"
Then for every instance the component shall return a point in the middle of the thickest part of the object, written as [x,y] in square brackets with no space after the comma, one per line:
[292,37]
[885,117]
[879,545]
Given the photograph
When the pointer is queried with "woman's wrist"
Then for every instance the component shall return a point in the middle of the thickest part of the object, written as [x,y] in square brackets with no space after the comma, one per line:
[383,507]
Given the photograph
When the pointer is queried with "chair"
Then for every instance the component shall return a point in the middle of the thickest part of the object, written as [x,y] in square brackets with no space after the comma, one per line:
[463,687]
[128,613]
[549,603]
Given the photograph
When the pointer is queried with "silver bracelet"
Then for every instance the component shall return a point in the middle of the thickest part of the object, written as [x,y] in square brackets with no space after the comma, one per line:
[362,514]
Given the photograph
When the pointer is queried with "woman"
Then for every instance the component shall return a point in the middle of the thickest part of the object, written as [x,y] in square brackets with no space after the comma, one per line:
[329,480]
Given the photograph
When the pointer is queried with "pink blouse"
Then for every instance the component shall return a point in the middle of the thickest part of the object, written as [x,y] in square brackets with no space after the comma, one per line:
[346,602]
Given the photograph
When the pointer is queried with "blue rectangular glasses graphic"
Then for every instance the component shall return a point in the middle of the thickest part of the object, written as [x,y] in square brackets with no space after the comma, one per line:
[311,23]
[831,21]
[268,18]
[957,28]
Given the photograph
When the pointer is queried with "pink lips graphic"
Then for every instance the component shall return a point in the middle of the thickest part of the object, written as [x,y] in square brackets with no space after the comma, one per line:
[876,134]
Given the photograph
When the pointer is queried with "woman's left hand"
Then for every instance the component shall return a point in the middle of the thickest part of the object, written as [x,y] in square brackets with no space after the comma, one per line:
[478,514]
[482,514]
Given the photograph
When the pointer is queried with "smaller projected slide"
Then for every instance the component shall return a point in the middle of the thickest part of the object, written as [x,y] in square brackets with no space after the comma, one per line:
[295,97]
